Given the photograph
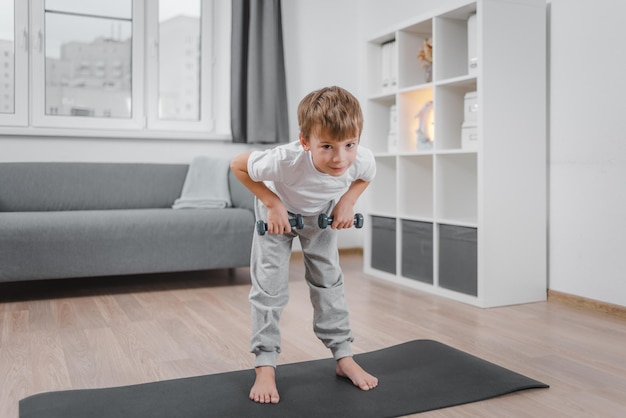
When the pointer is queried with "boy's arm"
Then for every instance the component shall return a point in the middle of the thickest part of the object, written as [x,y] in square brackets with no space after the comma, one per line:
[277,216]
[343,213]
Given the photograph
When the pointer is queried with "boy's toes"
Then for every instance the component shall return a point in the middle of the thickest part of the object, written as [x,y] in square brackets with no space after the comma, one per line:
[368,384]
[265,398]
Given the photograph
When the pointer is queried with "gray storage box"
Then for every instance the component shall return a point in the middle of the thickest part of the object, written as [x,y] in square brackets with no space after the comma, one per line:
[417,251]
[384,244]
[458,268]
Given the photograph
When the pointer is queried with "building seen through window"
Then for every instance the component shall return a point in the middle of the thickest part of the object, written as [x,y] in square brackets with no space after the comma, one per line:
[179,68]
[7,57]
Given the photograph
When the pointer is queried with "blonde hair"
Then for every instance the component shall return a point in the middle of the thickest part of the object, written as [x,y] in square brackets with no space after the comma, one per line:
[332,113]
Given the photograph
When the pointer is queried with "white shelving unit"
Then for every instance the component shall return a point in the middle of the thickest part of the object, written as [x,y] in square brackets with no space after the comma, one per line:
[465,223]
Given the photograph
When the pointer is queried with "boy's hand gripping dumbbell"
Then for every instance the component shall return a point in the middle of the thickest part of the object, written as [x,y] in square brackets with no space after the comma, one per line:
[297,222]
[324,220]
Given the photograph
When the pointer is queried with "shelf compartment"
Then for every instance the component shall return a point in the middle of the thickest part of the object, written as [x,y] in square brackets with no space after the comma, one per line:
[384,185]
[457,187]
[451,47]
[416,185]
[410,41]
[451,42]
[383,244]
[458,255]
[377,124]
[449,107]
[410,104]
[417,251]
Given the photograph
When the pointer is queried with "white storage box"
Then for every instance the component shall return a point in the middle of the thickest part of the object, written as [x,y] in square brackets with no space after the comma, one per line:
[472,46]
[469,137]
[470,112]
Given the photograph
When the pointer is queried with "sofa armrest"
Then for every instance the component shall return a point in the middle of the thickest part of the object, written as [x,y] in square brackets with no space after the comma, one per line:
[240,196]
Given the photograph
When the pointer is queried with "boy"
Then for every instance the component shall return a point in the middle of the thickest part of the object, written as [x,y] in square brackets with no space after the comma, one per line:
[324,172]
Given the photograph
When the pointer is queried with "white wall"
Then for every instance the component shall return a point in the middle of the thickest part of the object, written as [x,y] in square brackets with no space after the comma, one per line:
[321,49]
[587,189]
[24,148]
[321,43]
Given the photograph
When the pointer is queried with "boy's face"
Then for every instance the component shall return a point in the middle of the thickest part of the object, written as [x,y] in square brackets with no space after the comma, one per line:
[332,157]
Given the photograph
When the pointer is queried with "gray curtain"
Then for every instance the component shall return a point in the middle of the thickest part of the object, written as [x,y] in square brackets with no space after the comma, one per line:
[258,85]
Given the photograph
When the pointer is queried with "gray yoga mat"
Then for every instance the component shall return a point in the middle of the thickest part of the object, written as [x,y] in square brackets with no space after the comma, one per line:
[414,377]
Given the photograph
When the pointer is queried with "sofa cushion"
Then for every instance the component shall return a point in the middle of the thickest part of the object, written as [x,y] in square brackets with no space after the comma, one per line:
[42,245]
[27,187]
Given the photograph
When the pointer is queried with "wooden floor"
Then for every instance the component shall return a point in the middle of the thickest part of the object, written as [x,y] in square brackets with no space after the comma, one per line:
[94,333]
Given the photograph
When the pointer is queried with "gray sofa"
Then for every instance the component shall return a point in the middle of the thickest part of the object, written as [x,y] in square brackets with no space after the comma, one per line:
[62,220]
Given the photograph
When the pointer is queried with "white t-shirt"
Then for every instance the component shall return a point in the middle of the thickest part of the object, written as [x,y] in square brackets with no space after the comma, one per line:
[288,171]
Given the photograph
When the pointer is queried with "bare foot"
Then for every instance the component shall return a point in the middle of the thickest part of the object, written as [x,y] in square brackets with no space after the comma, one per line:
[264,389]
[347,367]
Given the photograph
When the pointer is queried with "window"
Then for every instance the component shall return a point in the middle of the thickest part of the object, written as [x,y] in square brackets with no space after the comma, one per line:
[70,88]
[121,67]
[179,60]
[180,56]
[13,62]
[7,58]
[88,58]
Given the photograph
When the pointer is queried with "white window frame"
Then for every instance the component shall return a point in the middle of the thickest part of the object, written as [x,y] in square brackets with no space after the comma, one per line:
[205,122]
[38,79]
[19,117]
[30,117]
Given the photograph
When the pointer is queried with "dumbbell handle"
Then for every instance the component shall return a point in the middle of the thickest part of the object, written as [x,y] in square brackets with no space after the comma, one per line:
[324,220]
[297,222]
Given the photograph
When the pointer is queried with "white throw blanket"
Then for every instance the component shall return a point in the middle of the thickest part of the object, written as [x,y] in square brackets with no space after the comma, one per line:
[206,185]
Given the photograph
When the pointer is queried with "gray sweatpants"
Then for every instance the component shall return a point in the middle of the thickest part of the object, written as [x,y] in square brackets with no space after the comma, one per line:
[269,270]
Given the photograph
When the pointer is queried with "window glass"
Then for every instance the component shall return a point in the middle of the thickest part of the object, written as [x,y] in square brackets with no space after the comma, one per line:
[179,59]
[88,60]
[110,8]
[7,57]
